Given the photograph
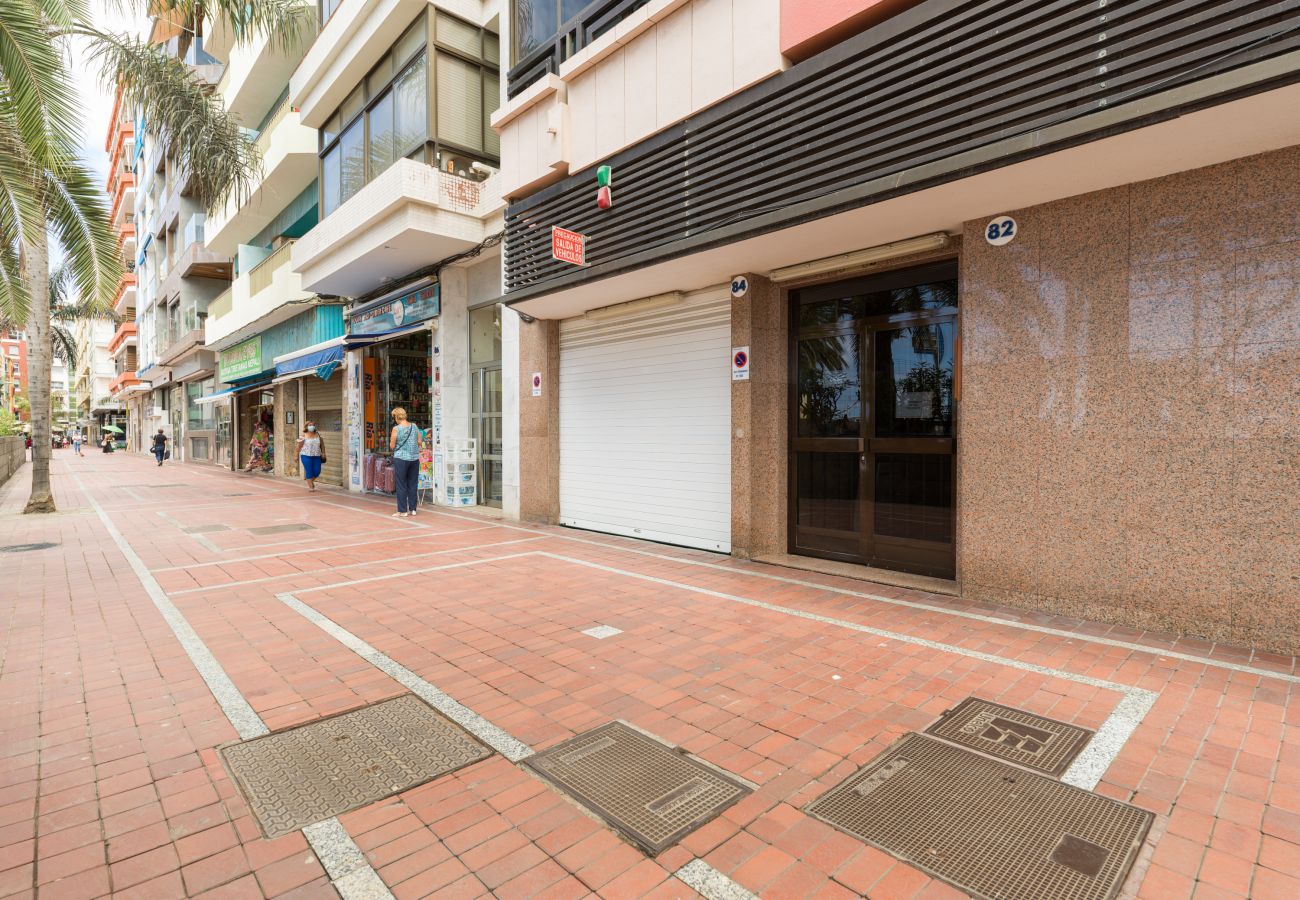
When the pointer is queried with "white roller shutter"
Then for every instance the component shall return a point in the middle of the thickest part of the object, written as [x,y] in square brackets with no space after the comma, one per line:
[645,423]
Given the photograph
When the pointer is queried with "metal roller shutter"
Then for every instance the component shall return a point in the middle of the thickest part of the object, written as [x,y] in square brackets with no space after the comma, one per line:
[645,423]
[324,404]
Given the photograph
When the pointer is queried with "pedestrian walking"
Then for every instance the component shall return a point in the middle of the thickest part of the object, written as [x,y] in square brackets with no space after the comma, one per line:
[160,447]
[106,445]
[311,453]
[404,440]
[76,443]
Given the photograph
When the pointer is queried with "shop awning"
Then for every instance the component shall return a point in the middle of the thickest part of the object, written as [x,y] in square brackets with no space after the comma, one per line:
[310,360]
[352,341]
[214,396]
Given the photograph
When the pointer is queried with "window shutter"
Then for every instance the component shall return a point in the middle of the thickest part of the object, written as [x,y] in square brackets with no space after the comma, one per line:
[460,102]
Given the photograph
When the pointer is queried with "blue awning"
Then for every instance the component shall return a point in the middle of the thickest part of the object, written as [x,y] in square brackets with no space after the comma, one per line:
[144,248]
[311,360]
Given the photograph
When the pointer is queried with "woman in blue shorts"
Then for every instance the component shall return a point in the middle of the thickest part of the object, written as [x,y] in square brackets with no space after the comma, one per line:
[311,453]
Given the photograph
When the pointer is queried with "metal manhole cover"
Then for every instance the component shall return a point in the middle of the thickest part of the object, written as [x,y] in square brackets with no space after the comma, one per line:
[24,548]
[989,828]
[651,793]
[282,529]
[204,529]
[296,777]
[1044,745]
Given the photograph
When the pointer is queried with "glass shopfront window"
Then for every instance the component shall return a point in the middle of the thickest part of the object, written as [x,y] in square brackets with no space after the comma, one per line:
[387,116]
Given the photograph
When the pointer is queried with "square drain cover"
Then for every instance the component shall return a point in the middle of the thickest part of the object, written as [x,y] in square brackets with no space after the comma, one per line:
[281,529]
[1044,745]
[205,529]
[991,829]
[651,793]
[296,777]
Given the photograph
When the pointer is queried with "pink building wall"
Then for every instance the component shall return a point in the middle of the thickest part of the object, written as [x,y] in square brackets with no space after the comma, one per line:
[808,26]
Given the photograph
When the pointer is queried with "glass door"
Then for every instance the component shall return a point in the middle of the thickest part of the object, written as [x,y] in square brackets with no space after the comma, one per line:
[485,415]
[872,442]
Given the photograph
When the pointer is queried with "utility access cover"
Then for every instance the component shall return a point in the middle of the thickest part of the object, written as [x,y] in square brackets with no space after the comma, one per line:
[296,777]
[651,793]
[991,829]
[1044,745]
[281,529]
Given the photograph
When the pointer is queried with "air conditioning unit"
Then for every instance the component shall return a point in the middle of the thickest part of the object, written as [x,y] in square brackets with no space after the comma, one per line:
[156,412]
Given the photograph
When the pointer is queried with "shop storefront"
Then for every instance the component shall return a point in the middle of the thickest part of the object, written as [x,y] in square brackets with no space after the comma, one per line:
[253,415]
[392,366]
[311,382]
[200,421]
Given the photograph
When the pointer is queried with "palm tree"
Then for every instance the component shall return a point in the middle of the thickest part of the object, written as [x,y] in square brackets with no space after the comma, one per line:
[45,189]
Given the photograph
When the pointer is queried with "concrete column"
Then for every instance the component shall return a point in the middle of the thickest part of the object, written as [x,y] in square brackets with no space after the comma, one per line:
[539,422]
[511,401]
[452,339]
[759,422]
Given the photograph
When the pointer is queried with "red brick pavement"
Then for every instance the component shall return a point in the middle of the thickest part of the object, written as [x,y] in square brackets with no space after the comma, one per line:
[109,782]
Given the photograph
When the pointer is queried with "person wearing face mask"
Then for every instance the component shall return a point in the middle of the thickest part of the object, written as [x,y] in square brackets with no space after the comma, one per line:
[311,453]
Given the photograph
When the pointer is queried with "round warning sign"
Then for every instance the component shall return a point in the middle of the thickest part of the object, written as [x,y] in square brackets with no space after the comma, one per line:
[740,364]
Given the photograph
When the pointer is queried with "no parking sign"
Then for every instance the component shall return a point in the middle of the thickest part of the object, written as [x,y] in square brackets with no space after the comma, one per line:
[740,364]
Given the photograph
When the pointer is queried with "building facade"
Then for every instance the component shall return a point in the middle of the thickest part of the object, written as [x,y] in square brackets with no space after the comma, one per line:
[997,302]
[92,406]
[13,373]
[176,277]
[398,97]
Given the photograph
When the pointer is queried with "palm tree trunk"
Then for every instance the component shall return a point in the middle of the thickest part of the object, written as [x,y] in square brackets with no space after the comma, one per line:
[35,263]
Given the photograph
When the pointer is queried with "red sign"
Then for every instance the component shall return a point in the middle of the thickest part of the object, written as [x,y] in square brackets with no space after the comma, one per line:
[568,246]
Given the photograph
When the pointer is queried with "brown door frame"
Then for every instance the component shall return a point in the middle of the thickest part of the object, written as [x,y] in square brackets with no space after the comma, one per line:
[866,445]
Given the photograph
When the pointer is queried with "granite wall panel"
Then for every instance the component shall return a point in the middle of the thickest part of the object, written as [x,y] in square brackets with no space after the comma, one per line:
[1131,406]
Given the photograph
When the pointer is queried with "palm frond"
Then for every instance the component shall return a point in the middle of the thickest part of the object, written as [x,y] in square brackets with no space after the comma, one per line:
[208,144]
[75,213]
[64,345]
[20,214]
[36,90]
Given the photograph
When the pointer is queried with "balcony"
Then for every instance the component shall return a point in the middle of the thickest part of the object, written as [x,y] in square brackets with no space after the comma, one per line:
[266,295]
[195,259]
[288,151]
[122,382]
[407,217]
[349,44]
[256,73]
[181,344]
[125,336]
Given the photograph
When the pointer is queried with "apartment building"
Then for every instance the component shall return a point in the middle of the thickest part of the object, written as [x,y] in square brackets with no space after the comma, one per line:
[407,224]
[13,372]
[90,402]
[266,311]
[122,143]
[995,299]
[177,276]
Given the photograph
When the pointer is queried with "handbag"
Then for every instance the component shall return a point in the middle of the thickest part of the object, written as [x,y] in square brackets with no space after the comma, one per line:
[167,454]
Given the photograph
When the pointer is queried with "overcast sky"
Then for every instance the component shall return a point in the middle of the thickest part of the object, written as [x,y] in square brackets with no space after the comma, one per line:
[96,99]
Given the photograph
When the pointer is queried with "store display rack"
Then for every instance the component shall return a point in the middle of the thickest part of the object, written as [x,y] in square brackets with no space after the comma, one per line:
[460,473]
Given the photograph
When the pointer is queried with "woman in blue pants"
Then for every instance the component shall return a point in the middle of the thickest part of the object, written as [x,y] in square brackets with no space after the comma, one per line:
[404,441]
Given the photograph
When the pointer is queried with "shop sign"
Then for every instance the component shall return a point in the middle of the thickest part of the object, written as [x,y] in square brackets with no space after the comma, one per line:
[414,307]
[242,360]
[568,246]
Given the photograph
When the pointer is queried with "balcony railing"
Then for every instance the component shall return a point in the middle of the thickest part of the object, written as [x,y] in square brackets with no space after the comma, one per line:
[261,275]
[193,231]
[275,118]
[588,25]
[220,306]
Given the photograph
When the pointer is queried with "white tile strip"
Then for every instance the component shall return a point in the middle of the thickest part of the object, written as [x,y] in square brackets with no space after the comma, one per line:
[348,869]
[374,562]
[330,548]
[496,738]
[459,565]
[600,632]
[711,884]
[1086,771]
